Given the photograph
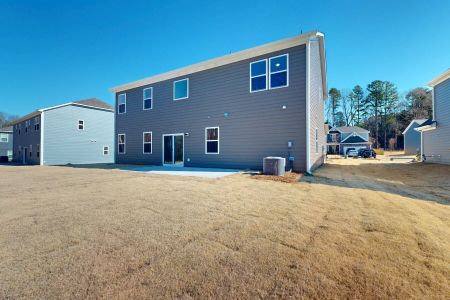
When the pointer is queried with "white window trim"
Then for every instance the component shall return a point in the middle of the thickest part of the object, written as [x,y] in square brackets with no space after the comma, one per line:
[105,146]
[265,74]
[206,140]
[287,72]
[174,83]
[118,104]
[144,99]
[143,143]
[78,125]
[2,135]
[124,143]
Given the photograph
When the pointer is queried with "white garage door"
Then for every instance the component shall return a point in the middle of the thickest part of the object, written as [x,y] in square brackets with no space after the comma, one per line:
[353,147]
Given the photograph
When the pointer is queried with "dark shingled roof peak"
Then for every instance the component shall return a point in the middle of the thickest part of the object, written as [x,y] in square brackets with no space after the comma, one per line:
[6,129]
[95,103]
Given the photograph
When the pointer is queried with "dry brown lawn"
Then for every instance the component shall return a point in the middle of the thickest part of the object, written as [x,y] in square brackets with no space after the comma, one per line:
[356,229]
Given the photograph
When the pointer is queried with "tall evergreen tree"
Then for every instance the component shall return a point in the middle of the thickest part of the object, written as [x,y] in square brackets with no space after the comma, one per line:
[334,98]
[357,97]
[372,103]
[388,106]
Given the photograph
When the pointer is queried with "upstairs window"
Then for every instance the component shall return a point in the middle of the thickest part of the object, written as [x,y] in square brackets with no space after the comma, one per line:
[278,75]
[80,124]
[272,73]
[147,140]
[36,123]
[212,140]
[258,76]
[122,104]
[3,137]
[121,144]
[181,89]
[148,98]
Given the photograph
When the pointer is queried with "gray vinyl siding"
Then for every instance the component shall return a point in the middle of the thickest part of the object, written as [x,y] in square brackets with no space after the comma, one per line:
[64,143]
[437,142]
[25,139]
[6,146]
[256,126]
[316,107]
[412,140]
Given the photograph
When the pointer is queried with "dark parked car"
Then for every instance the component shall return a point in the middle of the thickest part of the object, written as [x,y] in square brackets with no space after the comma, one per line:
[368,153]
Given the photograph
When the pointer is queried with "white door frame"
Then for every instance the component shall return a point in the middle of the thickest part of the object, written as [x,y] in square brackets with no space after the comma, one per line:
[173,150]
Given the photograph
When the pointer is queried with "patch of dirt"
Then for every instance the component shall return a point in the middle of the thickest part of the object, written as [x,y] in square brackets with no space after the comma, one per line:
[288,177]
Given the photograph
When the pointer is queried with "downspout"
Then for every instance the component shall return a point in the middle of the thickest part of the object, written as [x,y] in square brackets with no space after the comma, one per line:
[421,146]
[308,110]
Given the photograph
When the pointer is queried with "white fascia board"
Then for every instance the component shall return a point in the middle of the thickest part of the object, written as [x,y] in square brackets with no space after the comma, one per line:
[407,128]
[444,76]
[426,128]
[75,104]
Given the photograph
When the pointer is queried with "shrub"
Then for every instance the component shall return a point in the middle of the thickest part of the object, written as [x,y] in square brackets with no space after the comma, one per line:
[379,151]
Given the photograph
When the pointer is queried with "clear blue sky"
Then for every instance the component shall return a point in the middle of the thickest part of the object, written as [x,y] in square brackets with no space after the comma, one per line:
[52,52]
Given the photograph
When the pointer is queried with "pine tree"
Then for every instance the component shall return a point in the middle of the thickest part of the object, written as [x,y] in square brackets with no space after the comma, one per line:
[334,98]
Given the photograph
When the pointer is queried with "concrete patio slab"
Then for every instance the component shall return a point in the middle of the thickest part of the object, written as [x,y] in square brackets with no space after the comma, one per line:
[185,171]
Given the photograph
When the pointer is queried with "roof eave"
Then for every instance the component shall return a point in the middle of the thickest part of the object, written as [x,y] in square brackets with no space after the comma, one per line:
[235,57]
[26,117]
[442,77]
[39,111]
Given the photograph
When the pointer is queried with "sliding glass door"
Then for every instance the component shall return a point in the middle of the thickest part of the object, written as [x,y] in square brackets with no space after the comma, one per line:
[173,149]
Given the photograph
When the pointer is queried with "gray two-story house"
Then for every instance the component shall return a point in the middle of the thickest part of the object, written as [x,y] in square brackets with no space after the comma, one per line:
[6,142]
[412,139]
[436,131]
[231,111]
[343,138]
[78,132]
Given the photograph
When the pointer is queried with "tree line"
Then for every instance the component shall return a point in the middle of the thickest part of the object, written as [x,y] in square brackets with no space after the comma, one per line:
[6,119]
[380,109]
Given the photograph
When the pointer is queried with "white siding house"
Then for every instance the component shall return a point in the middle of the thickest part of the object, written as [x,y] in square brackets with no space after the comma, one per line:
[80,132]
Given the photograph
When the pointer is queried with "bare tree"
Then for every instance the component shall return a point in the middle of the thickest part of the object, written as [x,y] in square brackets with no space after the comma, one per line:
[6,119]
[420,103]
[348,107]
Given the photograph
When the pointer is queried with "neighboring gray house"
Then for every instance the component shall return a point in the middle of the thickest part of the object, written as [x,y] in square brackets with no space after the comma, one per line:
[411,137]
[341,139]
[229,112]
[436,131]
[79,132]
[6,142]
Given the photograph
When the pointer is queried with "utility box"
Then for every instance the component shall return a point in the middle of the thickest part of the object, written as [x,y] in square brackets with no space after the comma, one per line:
[274,166]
